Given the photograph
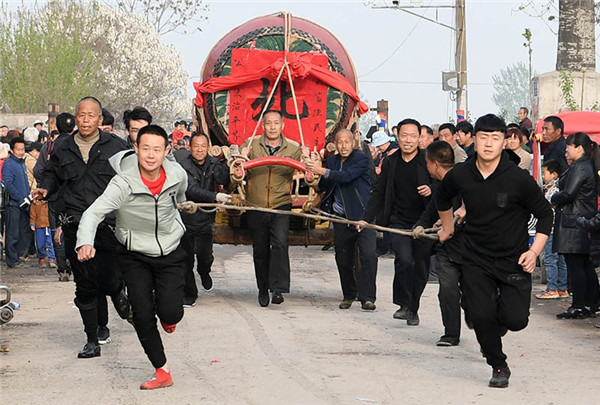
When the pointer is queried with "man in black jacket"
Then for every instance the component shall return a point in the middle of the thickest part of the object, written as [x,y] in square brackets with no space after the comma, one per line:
[553,135]
[203,172]
[79,168]
[499,198]
[348,186]
[399,198]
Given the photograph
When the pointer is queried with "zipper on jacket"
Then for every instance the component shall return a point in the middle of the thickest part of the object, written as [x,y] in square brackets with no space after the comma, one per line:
[156,224]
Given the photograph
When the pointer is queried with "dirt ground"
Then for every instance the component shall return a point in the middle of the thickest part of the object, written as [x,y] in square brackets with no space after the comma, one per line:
[228,350]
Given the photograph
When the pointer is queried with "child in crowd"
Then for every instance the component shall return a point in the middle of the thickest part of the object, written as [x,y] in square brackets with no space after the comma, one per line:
[556,268]
[40,224]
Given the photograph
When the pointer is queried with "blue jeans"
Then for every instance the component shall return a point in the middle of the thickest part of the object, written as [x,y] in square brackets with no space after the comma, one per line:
[43,241]
[556,268]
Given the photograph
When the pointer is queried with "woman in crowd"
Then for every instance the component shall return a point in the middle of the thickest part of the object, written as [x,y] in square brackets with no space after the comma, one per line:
[578,197]
[514,138]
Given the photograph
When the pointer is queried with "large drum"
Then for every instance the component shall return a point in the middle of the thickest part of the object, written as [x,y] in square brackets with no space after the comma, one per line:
[240,71]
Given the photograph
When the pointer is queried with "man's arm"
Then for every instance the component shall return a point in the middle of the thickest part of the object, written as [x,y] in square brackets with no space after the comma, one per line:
[196,193]
[446,191]
[110,200]
[377,199]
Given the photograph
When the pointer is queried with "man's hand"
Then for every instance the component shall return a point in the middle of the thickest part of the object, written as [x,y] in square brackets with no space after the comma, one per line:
[527,261]
[245,151]
[361,225]
[224,198]
[85,252]
[187,206]
[315,166]
[58,235]
[424,190]
[39,193]
[460,214]
[444,235]
[32,226]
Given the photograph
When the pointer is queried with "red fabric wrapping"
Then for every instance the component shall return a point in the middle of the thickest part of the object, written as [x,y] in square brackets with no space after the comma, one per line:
[300,67]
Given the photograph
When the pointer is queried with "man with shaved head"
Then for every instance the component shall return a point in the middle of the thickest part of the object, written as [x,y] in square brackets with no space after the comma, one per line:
[347,183]
[79,168]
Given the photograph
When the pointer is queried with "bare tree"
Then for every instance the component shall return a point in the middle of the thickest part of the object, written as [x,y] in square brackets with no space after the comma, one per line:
[181,16]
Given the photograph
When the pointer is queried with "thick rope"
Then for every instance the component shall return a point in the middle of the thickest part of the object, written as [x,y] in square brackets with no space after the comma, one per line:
[191,207]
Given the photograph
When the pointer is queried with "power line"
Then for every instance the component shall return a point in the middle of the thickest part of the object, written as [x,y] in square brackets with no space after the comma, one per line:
[398,48]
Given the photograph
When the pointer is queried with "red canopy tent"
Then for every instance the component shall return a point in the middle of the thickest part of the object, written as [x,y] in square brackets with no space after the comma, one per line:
[578,121]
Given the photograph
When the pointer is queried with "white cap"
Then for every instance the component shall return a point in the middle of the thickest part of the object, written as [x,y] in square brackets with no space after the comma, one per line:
[380,138]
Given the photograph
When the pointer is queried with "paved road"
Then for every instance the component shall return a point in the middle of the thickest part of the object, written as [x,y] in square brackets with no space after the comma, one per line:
[228,350]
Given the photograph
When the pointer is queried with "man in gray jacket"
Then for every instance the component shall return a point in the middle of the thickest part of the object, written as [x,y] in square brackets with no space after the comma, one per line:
[144,195]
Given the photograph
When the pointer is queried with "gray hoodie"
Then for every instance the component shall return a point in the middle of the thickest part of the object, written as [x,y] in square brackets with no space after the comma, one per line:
[144,224]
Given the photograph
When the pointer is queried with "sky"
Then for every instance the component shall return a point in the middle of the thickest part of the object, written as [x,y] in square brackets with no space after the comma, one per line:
[399,57]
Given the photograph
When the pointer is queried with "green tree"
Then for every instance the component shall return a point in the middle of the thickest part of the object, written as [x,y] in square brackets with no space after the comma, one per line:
[65,50]
[38,64]
[511,90]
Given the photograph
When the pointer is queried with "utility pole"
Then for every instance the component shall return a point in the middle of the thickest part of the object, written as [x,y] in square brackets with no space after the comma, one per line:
[460,57]
[461,61]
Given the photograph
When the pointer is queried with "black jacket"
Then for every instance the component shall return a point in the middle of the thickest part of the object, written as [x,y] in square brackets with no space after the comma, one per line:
[556,151]
[382,197]
[577,198]
[352,178]
[80,183]
[498,207]
[201,187]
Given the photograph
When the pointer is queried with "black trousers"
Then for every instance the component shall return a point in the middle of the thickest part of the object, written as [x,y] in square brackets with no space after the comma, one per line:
[449,294]
[346,240]
[270,242]
[198,245]
[584,281]
[18,233]
[155,288]
[59,248]
[93,278]
[411,269]
[498,295]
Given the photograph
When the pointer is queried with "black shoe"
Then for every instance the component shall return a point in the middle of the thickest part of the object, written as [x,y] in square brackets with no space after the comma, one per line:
[207,282]
[346,303]
[413,319]
[368,306]
[277,298]
[572,313]
[103,335]
[446,341]
[503,330]
[263,298]
[402,313]
[121,303]
[500,377]
[89,350]
[189,302]
[327,247]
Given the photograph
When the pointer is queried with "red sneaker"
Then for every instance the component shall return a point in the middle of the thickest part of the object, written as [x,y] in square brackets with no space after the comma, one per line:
[160,379]
[168,328]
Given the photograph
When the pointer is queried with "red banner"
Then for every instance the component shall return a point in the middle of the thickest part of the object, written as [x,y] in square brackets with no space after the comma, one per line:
[248,100]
